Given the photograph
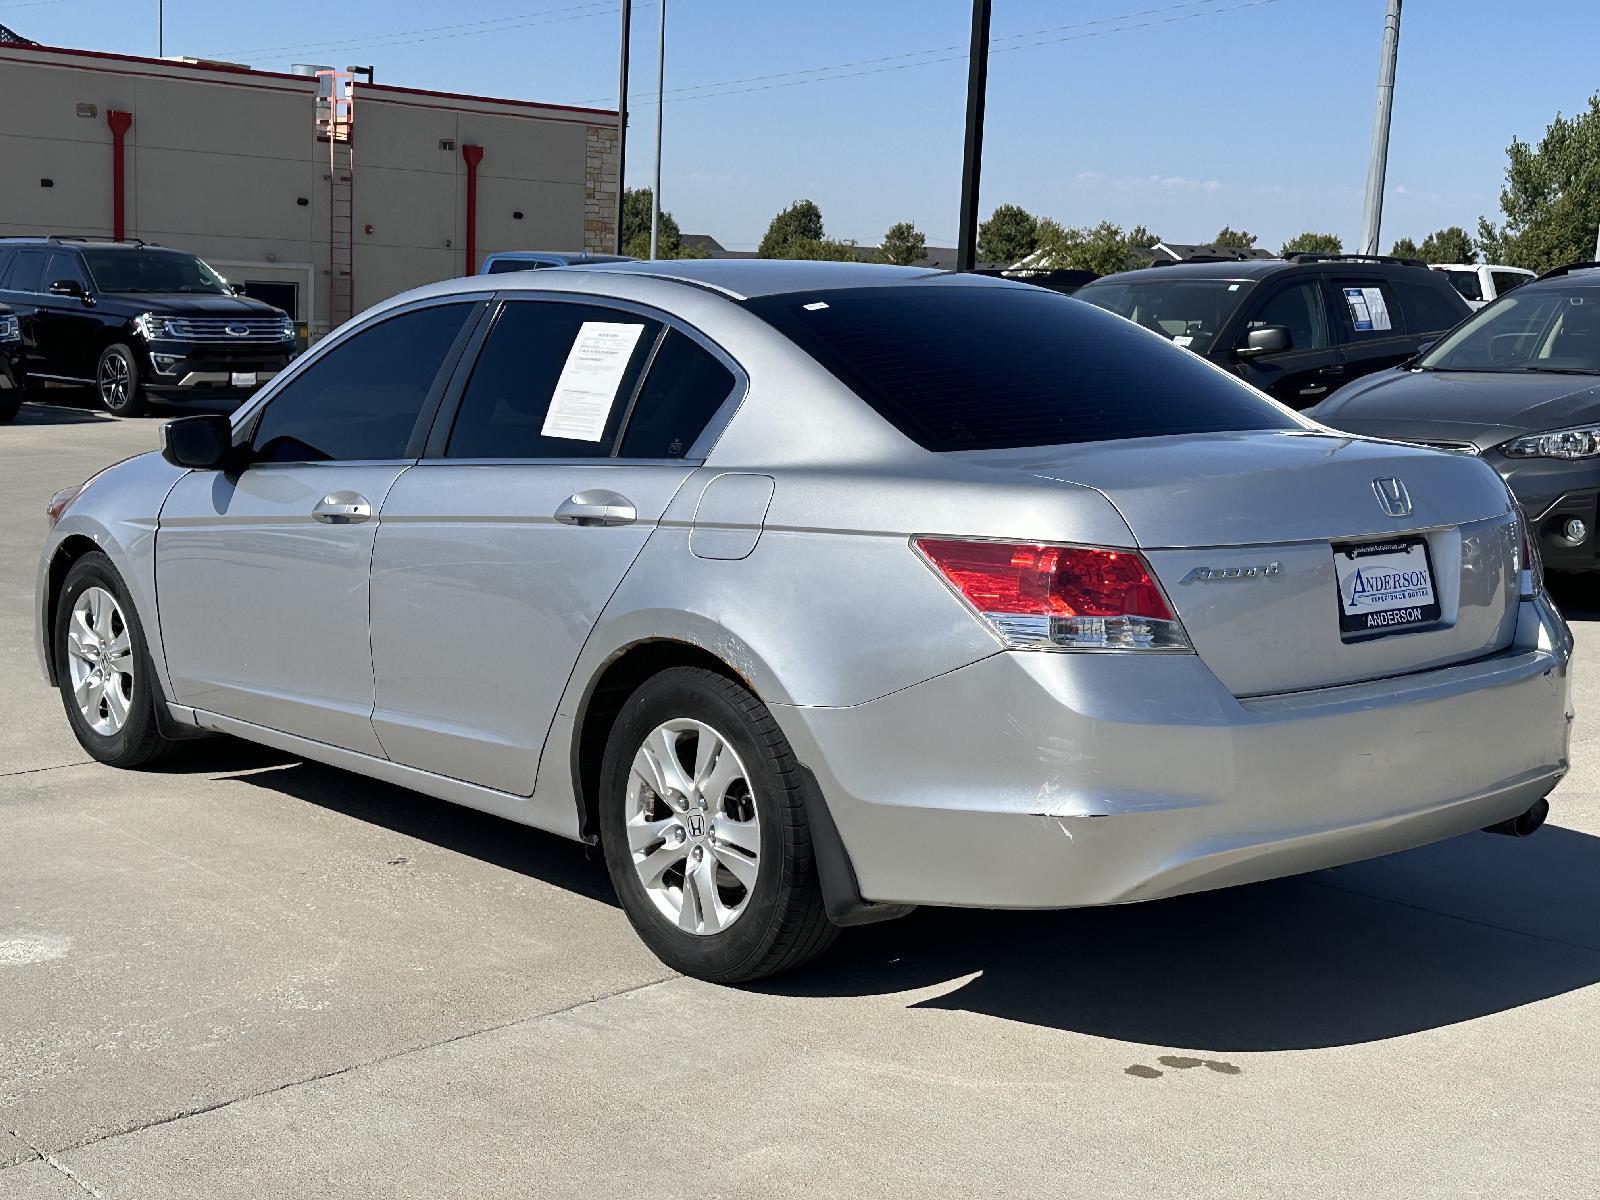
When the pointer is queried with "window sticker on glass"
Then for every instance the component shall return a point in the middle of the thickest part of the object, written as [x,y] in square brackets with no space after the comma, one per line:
[1182,340]
[589,381]
[1368,312]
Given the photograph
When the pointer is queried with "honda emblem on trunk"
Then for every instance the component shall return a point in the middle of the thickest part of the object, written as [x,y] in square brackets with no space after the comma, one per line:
[1392,497]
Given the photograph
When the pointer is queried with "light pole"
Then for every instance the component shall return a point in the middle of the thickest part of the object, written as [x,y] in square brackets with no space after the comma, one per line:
[1377,166]
[972,158]
[161,28]
[661,94]
[622,117]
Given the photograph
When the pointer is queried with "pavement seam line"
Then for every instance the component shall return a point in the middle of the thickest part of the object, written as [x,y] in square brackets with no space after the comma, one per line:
[1538,937]
[345,1070]
[41,770]
[52,1162]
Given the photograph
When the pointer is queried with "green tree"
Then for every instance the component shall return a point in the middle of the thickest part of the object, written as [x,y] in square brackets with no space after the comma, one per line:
[830,249]
[1313,243]
[1236,238]
[1010,233]
[800,222]
[1453,245]
[1103,249]
[1405,248]
[636,227]
[1141,237]
[903,245]
[1551,201]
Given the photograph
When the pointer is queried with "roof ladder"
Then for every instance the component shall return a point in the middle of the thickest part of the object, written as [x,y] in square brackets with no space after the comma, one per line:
[336,126]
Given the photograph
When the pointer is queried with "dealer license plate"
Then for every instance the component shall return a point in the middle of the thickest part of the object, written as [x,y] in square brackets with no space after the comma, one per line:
[1385,587]
[243,378]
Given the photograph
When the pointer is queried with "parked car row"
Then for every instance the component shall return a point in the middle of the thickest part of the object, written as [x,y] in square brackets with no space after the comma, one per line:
[813,592]
[136,322]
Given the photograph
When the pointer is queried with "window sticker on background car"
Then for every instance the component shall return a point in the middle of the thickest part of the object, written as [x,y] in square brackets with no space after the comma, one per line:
[1181,340]
[1367,308]
[589,381]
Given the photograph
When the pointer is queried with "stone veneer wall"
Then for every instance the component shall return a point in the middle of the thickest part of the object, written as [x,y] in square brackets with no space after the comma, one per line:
[600,186]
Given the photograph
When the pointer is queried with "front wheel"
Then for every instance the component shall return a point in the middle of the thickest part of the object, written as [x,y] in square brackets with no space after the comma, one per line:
[103,667]
[703,821]
[117,382]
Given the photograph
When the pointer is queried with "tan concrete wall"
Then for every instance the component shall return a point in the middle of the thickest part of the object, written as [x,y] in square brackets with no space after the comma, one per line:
[217,161]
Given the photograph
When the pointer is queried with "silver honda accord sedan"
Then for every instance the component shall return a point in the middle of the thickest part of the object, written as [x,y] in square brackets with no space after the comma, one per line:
[813,592]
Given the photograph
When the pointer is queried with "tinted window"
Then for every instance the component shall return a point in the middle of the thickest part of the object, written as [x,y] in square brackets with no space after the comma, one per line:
[1504,281]
[64,265]
[507,405]
[362,398]
[685,387]
[1189,311]
[125,270]
[976,367]
[6,258]
[501,265]
[1429,308]
[1297,308]
[1370,310]
[26,272]
[1465,282]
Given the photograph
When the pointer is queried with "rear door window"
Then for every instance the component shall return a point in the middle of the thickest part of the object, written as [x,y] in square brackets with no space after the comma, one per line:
[26,271]
[554,380]
[1368,309]
[975,367]
[684,389]
[1429,307]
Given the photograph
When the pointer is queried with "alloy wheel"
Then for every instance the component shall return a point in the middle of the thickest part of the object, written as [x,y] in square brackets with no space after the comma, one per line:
[100,661]
[693,834]
[114,381]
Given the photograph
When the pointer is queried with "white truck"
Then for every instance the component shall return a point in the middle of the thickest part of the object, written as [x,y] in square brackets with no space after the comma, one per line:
[1480,284]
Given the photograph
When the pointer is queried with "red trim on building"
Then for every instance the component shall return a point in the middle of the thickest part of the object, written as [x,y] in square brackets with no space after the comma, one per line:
[473,156]
[120,123]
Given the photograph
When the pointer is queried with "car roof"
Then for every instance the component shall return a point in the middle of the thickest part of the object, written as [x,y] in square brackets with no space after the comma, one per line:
[1246,270]
[747,278]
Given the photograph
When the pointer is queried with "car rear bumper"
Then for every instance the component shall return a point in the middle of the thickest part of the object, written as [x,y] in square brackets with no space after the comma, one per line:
[1033,780]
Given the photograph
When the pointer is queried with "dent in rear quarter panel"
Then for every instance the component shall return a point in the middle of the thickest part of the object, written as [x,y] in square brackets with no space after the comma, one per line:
[120,514]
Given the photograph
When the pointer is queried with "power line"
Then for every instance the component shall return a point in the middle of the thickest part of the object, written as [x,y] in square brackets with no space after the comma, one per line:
[863,62]
[960,55]
[434,33]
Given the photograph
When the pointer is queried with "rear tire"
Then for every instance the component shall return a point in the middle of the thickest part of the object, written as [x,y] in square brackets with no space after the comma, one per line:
[117,382]
[680,857]
[103,667]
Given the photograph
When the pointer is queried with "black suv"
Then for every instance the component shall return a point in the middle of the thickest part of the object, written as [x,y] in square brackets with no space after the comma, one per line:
[12,375]
[1297,328]
[137,321]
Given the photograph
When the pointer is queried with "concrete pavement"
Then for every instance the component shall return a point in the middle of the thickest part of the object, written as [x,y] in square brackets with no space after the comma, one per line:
[247,976]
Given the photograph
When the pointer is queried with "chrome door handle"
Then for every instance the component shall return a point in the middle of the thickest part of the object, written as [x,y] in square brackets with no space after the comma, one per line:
[1316,389]
[598,507]
[343,508]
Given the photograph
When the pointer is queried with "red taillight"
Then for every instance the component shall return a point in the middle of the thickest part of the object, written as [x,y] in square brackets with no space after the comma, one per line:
[1069,597]
[1530,564]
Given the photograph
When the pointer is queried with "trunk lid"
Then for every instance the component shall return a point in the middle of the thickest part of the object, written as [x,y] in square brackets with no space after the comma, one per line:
[1242,531]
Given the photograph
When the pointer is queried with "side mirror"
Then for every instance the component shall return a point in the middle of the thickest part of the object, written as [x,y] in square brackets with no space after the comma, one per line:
[68,287]
[1269,339]
[204,442]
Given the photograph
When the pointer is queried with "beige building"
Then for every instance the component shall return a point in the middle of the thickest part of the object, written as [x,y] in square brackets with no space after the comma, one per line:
[319,195]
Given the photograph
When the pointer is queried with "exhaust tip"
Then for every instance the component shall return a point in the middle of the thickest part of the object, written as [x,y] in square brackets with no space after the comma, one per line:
[1524,823]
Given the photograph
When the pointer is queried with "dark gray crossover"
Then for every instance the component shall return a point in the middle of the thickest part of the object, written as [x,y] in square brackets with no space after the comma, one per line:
[1519,386]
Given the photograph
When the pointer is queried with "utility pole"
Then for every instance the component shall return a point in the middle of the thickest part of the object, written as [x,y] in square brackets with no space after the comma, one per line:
[972,158]
[161,28]
[661,96]
[622,117]
[1372,216]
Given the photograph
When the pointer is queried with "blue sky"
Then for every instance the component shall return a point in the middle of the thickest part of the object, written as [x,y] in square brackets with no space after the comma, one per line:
[1181,114]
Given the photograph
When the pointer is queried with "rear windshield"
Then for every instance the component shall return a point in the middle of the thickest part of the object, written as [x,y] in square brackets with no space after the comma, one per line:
[988,368]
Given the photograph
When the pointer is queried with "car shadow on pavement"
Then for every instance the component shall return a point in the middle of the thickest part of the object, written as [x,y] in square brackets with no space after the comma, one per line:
[1375,950]
[35,412]
[1577,596]
[532,852]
